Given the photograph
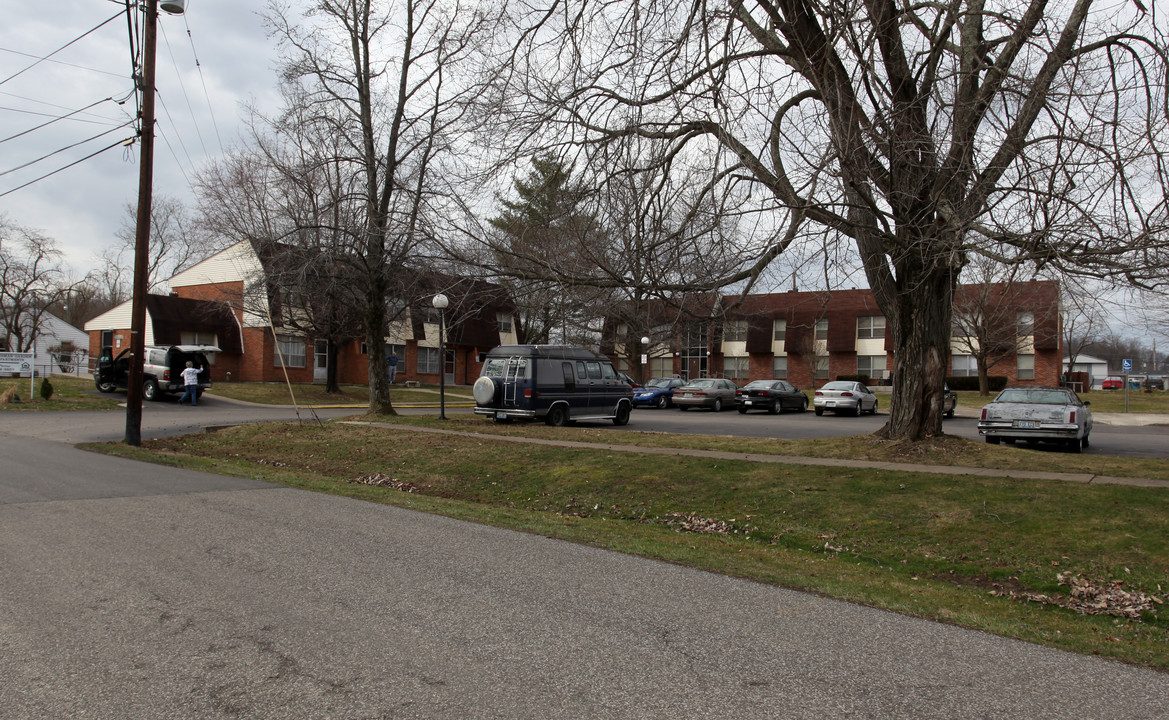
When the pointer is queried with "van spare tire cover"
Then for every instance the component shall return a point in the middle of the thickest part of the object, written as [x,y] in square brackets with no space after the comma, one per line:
[484,391]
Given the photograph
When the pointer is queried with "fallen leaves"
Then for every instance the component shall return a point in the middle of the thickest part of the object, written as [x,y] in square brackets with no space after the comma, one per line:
[1093,597]
[381,480]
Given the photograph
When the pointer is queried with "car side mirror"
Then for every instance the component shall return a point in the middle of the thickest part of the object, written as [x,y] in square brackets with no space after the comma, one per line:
[1087,403]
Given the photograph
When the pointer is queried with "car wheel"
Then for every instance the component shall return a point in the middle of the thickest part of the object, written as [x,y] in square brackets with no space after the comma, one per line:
[992,440]
[557,416]
[819,411]
[1074,446]
[874,410]
[150,390]
[718,405]
[1085,442]
[949,413]
[663,402]
[804,405]
[622,416]
[774,409]
[106,387]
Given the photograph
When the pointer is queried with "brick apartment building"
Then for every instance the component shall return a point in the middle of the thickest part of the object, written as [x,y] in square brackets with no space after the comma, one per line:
[808,338]
[216,303]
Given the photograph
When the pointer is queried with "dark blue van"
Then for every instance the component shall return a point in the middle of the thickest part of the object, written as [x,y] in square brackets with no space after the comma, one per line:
[557,383]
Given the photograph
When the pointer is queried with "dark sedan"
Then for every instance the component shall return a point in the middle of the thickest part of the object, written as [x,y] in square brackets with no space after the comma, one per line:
[770,395]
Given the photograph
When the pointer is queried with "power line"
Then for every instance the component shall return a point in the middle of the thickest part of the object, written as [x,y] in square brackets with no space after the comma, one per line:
[61,150]
[46,57]
[55,118]
[182,87]
[61,62]
[42,177]
[206,95]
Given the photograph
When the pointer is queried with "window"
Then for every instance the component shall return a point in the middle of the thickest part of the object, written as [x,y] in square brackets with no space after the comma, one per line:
[737,368]
[871,326]
[822,330]
[1026,324]
[504,320]
[871,366]
[661,366]
[821,370]
[1026,369]
[779,367]
[964,365]
[291,349]
[735,331]
[427,361]
[197,338]
[780,331]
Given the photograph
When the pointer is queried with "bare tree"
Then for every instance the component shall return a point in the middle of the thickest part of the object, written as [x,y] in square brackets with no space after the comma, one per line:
[1030,133]
[382,79]
[30,281]
[177,242]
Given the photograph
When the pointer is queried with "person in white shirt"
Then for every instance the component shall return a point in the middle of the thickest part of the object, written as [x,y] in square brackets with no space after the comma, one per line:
[191,383]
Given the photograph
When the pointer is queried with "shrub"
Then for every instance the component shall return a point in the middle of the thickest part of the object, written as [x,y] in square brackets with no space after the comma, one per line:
[855,378]
[46,388]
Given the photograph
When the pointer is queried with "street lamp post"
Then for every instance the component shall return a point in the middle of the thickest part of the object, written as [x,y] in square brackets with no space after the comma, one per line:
[440,303]
[644,358]
[142,231]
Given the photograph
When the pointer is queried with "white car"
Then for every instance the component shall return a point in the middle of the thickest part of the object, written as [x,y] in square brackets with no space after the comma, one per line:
[1037,414]
[845,396]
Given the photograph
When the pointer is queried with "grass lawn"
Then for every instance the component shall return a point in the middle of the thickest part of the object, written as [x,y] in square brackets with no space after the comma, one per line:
[306,394]
[69,393]
[988,553]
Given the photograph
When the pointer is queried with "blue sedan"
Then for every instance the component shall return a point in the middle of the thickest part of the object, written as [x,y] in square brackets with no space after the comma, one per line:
[657,392]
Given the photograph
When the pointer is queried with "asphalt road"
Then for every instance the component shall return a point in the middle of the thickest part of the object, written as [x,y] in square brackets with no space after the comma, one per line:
[1130,441]
[136,591]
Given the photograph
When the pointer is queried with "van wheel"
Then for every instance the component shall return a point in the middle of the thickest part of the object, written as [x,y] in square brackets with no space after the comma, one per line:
[150,390]
[622,416]
[557,416]
[106,387]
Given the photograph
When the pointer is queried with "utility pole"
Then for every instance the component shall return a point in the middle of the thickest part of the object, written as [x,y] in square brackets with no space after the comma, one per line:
[142,234]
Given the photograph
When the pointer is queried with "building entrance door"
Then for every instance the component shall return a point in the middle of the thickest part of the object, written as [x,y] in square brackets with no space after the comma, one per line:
[320,361]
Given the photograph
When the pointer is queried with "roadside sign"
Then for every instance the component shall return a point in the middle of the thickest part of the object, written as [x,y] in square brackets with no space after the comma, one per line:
[16,364]
[1126,365]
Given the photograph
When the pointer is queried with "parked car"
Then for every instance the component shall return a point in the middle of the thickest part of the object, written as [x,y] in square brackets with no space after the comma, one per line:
[628,380]
[1154,382]
[845,396]
[657,392]
[949,401]
[1037,414]
[770,395]
[558,384]
[162,369]
[1112,382]
[714,393]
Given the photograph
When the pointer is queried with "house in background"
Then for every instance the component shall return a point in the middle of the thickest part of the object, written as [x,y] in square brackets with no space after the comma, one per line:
[808,338]
[1097,369]
[57,346]
[231,301]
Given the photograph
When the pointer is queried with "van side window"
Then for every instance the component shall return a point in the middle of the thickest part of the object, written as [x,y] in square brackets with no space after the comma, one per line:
[608,371]
[569,377]
[581,371]
[594,369]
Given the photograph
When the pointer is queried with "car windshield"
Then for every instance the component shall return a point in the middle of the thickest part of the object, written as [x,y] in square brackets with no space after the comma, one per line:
[1035,396]
[759,385]
[704,383]
[658,382]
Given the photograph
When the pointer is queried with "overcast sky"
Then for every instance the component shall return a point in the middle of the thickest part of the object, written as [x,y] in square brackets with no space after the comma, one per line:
[198,109]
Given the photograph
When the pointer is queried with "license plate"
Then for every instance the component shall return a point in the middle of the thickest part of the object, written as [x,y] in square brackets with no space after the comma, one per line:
[830,403]
[747,402]
[685,394]
[501,415]
[1025,424]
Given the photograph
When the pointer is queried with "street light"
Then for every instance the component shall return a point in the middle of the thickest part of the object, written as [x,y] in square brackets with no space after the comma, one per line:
[440,303]
[142,233]
[644,357]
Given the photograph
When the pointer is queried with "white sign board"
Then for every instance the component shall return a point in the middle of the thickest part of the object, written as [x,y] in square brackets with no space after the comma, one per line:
[16,364]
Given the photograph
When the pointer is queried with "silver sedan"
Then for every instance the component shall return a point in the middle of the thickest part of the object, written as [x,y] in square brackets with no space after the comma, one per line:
[1034,414]
[845,396]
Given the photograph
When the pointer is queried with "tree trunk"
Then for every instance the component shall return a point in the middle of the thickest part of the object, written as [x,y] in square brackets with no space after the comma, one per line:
[921,340]
[331,384]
